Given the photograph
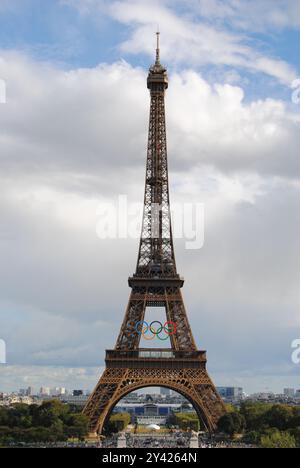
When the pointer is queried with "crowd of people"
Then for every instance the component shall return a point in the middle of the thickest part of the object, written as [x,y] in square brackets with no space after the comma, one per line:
[177,440]
[151,441]
[222,445]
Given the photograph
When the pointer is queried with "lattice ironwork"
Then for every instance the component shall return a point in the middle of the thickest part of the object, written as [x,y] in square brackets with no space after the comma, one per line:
[156,283]
[196,386]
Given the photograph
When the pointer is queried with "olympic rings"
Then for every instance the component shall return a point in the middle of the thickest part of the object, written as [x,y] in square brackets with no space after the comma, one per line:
[143,329]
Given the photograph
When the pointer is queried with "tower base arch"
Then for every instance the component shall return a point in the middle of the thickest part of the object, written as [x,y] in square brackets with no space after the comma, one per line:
[194,384]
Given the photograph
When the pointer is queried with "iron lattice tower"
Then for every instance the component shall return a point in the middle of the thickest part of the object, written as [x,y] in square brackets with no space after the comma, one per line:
[155,283]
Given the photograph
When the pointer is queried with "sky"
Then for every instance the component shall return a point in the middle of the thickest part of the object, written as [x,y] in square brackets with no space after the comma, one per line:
[73,135]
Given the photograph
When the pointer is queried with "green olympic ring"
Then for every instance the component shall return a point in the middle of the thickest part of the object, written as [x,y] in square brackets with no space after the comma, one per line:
[142,328]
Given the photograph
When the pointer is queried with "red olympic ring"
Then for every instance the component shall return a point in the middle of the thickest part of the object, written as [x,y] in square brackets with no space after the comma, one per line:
[142,328]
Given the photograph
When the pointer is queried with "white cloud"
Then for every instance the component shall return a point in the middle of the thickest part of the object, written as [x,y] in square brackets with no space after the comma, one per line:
[251,15]
[191,42]
[48,376]
[190,38]
[50,105]
[69,128]
[213,125]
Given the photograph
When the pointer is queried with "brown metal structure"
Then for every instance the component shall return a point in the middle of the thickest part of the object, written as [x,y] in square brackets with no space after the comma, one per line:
[155,283]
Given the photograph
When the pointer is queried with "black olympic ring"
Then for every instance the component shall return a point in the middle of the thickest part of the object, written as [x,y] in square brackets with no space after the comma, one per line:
[142,328]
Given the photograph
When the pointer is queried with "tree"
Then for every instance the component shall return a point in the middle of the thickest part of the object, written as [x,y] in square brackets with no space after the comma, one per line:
[232,423]
[252,437]
[4,417]
[279,416]
[278,439]
[295,422]
[254,415]
[230,408]
[117,423]
[187,421]
[296,434]
[49,413]
[77,426]
[19,416]
[50,422]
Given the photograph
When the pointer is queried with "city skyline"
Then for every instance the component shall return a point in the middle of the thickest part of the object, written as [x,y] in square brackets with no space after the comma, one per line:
[230,393]
[74,129]
[52,389]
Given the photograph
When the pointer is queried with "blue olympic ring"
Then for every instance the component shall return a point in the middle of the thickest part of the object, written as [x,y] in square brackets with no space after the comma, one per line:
[143,328]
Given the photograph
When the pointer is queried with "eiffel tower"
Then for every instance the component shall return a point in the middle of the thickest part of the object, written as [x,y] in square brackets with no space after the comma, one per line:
[156,283]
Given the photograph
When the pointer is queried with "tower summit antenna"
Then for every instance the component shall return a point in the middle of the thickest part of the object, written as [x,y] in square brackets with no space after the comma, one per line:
[157,48]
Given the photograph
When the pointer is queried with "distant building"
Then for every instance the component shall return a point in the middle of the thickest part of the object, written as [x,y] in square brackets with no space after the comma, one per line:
[264,396]
[132,396]
[230,393]
[150,412]
[57,391]
[165,391]
[289,392]
[149,397]
[297,395]
[77,393]
[45,391]
[77,400]
[26,391]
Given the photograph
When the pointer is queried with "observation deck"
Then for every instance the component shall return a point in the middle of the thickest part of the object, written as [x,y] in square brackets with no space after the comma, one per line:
[155,358]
